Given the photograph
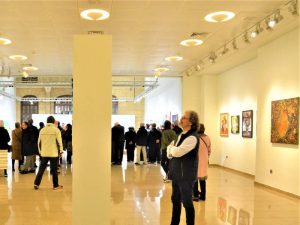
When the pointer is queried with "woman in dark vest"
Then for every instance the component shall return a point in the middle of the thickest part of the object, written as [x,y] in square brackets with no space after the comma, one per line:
[183,168]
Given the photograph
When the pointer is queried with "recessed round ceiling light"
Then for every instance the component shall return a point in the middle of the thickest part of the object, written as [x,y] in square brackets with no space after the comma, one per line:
[18,57]
[221,16]
[30,68]
[174,58]
[94,14]
[5,41]
[191,42]
[161,69]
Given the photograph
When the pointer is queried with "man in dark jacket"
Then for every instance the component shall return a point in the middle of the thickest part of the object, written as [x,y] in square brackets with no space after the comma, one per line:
[141,143]
[29,146]
[154,139]
[118,139]
[4,139]
[183,168]
[176,128]
[130,137]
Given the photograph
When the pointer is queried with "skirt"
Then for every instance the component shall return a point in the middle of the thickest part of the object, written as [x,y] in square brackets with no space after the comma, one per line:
[3,159]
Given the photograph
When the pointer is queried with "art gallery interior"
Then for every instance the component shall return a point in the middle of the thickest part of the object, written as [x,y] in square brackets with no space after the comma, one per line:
[240,73]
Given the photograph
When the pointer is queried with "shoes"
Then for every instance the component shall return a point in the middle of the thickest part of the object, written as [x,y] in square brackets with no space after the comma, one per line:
[136,163]
[31,171]
[166,180]
[24,172]
[58,187]
[36,187]
[195,199]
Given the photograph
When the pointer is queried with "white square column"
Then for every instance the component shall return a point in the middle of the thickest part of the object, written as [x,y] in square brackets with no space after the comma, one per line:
[92,106]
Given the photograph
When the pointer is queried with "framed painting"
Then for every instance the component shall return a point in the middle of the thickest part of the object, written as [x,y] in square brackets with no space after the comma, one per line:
[244,217]
[232,215]
[224,124]
[235,124]
[247,124]
[285,121]
[222,209]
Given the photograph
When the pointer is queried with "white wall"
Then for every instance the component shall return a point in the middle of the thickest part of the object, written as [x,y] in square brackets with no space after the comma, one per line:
[237,92]
[272,75]
[278,74]
[165,99]
[200,94]
[8,109]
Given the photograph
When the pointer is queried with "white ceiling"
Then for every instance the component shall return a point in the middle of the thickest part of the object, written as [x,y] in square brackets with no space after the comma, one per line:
[144,32]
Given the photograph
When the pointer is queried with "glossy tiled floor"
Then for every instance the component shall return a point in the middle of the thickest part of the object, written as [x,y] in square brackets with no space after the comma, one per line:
[140,197]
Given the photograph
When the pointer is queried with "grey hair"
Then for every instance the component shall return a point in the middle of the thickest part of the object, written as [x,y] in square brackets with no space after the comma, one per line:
[194,119]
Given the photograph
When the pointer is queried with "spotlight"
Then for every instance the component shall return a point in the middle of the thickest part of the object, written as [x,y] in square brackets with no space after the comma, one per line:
[253,34]
[212,58]
[225,50]
[293,8]
[278,17]
[234,45]
[198,67]
[24,74]
[270,23]
[246,39]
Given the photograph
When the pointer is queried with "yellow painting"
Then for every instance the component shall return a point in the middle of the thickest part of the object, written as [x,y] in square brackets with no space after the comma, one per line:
[224,124]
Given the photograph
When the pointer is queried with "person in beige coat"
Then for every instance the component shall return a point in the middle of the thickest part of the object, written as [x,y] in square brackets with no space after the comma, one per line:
[204,153]
[16,146]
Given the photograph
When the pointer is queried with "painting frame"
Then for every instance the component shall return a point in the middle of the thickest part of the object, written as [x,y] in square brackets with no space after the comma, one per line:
[224,124]
[285,121]
[247,124]
[235,124]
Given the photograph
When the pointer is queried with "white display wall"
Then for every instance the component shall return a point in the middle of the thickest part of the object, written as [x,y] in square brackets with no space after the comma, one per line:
[164,102]
[8,109]
[237,92]
[272,75]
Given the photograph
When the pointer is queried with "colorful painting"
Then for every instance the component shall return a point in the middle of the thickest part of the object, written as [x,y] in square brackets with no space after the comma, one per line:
[232,215]
[224,124]
[235,124]
[222,209]
[244,217]
[285,121]
[174,118]
[247,124]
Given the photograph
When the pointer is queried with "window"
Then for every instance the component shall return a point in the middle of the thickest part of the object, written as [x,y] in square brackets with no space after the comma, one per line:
[61,106]
[115,105]
[28,107]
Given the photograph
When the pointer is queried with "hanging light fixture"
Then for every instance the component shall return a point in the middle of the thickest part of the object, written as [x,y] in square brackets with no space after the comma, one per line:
[94,14]
[174,58]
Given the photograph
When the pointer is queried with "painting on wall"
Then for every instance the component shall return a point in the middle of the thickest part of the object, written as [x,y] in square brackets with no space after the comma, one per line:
[247,124]
[244,217]
[235,124]
[222,209]
[224,124]
[232,215]
[174,118]
[285,121]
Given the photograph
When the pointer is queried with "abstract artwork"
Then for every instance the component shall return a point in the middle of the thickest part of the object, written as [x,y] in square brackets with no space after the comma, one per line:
[222,209]
[224,124]
[235,124]
[244,217]
[285,121]
[232,215]
[247,124]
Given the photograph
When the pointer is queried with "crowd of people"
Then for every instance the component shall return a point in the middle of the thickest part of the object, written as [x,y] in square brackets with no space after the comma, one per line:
[183,153]
[28,142]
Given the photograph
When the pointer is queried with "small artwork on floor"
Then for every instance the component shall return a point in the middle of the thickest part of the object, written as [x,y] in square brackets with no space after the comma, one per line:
[244,217]
[247,124]
[235,124]
[232,215]
[285,121]
[224,124]
[222,209]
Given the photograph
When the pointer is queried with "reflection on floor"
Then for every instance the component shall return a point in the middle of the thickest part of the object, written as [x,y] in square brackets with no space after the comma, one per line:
[140,197]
